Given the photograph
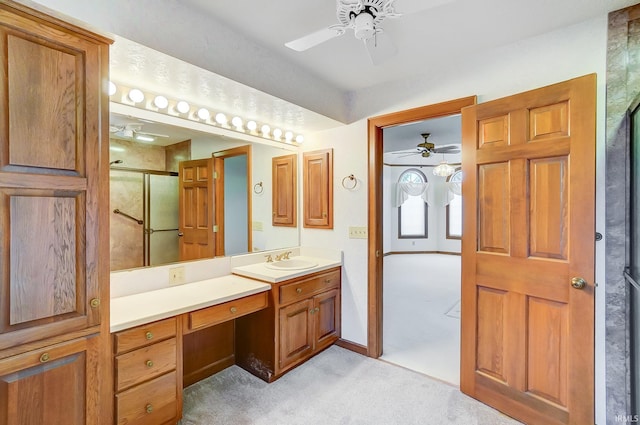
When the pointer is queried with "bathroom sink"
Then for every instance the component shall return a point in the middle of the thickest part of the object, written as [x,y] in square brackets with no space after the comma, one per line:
[292,264]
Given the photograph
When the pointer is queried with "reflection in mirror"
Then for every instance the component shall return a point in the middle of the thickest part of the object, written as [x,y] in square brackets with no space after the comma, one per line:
[145,159]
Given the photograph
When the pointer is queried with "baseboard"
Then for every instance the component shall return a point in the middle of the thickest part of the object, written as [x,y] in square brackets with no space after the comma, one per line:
[420,252]
[357,348]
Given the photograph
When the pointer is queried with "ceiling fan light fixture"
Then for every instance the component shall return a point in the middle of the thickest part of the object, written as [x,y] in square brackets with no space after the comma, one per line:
[443,169]
[363,26]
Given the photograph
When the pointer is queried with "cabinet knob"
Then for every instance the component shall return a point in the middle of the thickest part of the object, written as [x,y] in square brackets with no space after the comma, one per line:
[317,309]
[148,408]
[233,310]
[44,358]
[149,363]
[311,311]
[148,335]
[299,290]
[327,281]
[95,302]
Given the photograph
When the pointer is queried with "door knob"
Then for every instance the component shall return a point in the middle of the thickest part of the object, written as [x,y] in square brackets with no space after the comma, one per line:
[578,282]
[180,234]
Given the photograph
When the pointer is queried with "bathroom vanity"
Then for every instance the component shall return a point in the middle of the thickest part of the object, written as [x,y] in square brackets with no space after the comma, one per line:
[266,318]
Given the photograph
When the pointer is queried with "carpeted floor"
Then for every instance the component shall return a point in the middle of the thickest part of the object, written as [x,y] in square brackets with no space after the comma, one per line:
[421,317]
[335,387]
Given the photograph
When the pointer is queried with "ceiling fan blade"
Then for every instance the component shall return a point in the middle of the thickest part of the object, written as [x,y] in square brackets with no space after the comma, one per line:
[407,7]
[380,48]
[315,38]
[447,149]
[151,134]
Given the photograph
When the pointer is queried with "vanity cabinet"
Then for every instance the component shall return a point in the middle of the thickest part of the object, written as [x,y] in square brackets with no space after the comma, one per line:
[317,173]
[54,242]
[283,198]
[302,319]
[148,374]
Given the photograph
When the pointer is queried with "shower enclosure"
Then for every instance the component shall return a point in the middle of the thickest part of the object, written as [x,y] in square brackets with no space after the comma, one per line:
[144,219]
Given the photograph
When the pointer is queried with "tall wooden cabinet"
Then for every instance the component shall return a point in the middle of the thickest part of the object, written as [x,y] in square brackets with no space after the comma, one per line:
[284,191]
[54,257]
[317,176]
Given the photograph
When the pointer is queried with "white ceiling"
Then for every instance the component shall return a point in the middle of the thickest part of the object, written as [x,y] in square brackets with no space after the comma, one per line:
[431,32]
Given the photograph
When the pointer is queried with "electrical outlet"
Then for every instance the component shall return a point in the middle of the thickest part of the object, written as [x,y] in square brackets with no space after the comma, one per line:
[358,232]
[176,275]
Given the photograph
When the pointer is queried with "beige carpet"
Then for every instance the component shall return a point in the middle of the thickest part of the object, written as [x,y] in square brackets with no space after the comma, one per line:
[335,387]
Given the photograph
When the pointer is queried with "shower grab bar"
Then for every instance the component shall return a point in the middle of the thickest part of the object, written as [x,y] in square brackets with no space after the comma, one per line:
[117,211]
[149,231]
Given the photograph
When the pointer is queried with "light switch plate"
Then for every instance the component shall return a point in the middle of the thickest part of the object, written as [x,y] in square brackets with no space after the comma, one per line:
[358,232]
[176,275]
[256,225]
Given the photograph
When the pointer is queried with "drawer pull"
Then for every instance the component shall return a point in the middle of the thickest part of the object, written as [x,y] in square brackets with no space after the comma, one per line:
[312,311]
[316,309]
[148,408]
[44,358]
[327,281]
[149,363]
[148,335]
[95,302]
[299,290]
[233,310]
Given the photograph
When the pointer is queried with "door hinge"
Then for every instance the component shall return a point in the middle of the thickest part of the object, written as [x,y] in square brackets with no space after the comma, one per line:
[377,253]
[215,174]
[215,228]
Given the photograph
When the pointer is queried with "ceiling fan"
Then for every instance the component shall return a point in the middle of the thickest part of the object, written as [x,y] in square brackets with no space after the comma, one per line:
[364,17]
[134,131]
[426,148]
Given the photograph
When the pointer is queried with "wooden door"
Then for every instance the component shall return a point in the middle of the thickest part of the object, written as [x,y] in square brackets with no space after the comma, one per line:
[284,191]
[196,209]
[49,386]
[326,318]
[296,332]
[528,230]
[317,170]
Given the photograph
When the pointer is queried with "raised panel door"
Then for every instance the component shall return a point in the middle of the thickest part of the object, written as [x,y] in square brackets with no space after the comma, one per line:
[284,191]
[318,189]
[296,332]
[196,209]
[326,318]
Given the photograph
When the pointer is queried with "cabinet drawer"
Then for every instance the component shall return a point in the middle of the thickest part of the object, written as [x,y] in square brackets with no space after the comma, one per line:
[145,363]
[144,335]
[295,291]
[154,402]
[226,311]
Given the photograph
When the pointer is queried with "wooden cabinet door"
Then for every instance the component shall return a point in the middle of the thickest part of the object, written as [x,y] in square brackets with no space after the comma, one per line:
[52,231]
[48,386]
[284,190]
[318,189]
[326,318]
[197,212]
[296,332]
[529,186]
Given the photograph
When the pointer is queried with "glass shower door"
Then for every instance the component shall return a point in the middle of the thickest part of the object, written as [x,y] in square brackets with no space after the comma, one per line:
[161,224]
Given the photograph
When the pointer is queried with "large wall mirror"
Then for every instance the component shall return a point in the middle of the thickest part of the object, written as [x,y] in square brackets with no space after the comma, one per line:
[145,161]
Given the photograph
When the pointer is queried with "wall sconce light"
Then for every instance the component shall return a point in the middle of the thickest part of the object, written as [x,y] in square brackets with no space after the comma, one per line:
[136,95]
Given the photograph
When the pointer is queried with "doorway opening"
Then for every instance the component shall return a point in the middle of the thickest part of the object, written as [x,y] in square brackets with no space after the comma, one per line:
[376,247]
[421,246]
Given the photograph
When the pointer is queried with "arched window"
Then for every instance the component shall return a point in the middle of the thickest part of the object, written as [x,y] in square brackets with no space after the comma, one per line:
[454,207]
[412,212]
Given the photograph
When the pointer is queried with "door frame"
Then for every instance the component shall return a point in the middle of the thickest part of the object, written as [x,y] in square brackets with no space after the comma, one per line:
[374,255]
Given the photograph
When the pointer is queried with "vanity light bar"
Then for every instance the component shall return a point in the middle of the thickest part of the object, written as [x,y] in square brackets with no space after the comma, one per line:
[180,108]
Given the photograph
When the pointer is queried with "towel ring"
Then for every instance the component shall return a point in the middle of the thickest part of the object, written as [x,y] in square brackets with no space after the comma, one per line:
[353,182]
[258,188]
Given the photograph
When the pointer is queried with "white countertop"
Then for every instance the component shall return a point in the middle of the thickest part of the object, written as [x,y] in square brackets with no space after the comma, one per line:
[261,272]
[146,307]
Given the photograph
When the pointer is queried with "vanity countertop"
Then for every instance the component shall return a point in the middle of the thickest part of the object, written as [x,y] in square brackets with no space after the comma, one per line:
[261,272]
[138,309]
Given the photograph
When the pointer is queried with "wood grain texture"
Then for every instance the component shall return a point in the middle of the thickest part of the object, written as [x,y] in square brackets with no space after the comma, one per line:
[144,335]
[226,311]
[145,363]
[317,173]
[154,402]
[208,351]
[296,332]
[197,209]
[528,336]
[327,318]
[284,194]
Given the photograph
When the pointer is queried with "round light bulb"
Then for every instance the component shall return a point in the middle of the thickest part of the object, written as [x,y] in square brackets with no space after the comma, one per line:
[288,136]
[182,107]
[221,118]
[277,133]
[265,130]
[112,88]
[160,102]
[204,114]
[237,123]
[136,95]
[252,125]
[300,138]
